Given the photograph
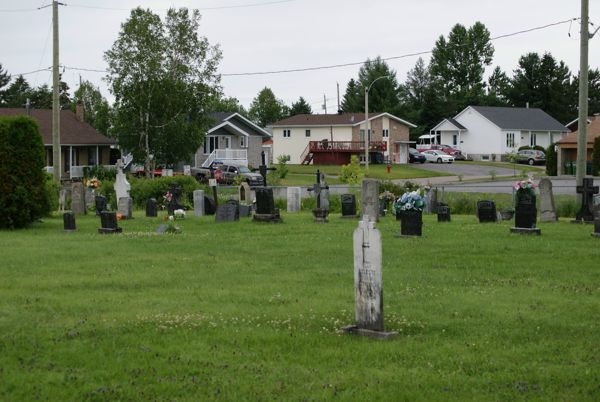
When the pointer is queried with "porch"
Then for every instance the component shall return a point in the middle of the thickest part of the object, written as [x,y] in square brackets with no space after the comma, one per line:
[229,156]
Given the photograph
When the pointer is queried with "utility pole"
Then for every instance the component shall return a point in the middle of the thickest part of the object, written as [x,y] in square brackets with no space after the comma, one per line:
[338,97]
[56,154]
[583,96]
[325,103]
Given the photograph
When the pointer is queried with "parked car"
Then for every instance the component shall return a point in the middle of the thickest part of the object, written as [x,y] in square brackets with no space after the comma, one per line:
[531,157]
[138,170]
[226,174]
[415,156]
[202,174]
[437,156]
[447,149]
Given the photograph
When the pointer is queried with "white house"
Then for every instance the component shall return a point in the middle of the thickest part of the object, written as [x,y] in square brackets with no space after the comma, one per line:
[488,132]
[333,138]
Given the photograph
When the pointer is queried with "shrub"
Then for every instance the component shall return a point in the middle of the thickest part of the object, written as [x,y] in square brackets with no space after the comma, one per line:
[99,172]
[596,157]
[539,148]
[551,161]
[524,147]
[143,189]
[52,190]
[351,173]
[282,169]
[23,194]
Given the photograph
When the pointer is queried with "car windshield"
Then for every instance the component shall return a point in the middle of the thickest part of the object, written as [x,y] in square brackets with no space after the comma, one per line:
[244,169]
[413,151]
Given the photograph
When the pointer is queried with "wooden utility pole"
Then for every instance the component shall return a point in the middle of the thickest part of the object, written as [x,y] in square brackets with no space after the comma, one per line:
[583,95]
[56,154]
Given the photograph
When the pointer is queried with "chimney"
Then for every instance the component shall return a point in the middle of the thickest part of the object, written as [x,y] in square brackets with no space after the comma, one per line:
[79,112]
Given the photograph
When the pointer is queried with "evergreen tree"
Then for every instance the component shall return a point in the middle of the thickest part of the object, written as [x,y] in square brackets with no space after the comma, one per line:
[4,80]
[353,99]
[498,85]
[300,107]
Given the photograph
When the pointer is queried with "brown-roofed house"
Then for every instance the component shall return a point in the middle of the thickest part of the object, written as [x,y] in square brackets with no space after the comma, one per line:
[567,147]
[81,144]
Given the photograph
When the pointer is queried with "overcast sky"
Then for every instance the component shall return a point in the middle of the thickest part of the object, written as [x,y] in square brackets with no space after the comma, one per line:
[281,35]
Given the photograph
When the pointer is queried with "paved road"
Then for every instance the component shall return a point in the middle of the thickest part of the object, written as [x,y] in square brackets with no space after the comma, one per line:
[465,169]
[559,186]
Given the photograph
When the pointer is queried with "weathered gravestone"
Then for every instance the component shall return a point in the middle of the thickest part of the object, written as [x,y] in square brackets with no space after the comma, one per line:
[101,204]
[587,191]
[294,199]
[431,200]
[486,211]
[198,202]
[151,208]
[69,222]
[78,198]
[265,206]
[370,199]
[368,285]
[547,206]
[596,221]
[246,197]
[125,207]
[209,205]
[108,221]
[321,191]
[90,193]
[348,202]
[443,212]
[122,186]
[525,212]
[228,212]
[175,202]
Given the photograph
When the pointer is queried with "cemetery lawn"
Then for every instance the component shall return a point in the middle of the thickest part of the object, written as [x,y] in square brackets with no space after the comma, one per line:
[408,171]
[245,311]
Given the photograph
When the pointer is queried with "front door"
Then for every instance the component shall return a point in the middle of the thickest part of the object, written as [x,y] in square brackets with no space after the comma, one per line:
[403,148]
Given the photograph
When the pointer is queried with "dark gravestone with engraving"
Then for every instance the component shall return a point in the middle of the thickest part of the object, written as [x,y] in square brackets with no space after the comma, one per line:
[525,212]
[596,221]
[69,221]
[209,205]
[101,203]
[587,191]
[486,211]
[265,206]
[175,202]
[443,212]
[348,202]
[151,208]
[228,212]
[108,221]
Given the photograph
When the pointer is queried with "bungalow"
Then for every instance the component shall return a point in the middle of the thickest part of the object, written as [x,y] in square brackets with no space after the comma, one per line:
[333,138]
[232,139]
[566,148]
[487,133]
[81,144]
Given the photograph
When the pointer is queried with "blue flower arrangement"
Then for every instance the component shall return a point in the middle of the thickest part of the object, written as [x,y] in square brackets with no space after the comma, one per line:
[410,201]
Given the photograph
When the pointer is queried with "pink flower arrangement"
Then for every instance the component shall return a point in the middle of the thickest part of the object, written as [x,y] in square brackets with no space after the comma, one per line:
[525,185]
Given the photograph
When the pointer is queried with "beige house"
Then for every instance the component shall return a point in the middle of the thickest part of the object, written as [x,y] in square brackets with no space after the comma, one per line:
[333,138]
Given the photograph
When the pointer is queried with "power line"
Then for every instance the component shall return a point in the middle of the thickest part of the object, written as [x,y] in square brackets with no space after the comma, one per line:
[266,3]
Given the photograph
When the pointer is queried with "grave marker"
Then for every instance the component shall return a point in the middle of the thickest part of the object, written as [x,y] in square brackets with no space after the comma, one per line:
[348,202]
[294,199]
[443,212]
[228,212]
[151,208]
[486,211]
[125,207]
[321,191]
[122,186]
[547,206]
[525,213]
[198,202]
[108,221]
[265,206]
[370,199]
[587,191]
[101,204]
[78,198]
[69,222]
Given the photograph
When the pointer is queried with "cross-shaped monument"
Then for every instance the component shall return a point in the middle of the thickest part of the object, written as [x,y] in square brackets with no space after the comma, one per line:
[587,191]
[320,213]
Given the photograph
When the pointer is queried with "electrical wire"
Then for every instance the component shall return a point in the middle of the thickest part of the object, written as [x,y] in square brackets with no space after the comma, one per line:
[266,3]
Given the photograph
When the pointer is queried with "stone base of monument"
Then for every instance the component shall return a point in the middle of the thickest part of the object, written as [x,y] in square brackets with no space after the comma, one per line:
[320,215]
[355,330]
[596,234]
[529,231]
[109,230]
[577,221]
[245,210]
[351,216]
[274,217]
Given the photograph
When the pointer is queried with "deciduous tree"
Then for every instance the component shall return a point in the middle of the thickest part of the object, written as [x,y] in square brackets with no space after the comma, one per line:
[266,108]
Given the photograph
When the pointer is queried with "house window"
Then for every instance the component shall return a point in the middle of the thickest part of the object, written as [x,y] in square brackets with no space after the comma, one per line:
[307,133]
[243,141]
[532,140]
[286,133]
[455,139]
[210,144]
[386,133]
[362,135]
[510,140]
[227,142]
[91,153]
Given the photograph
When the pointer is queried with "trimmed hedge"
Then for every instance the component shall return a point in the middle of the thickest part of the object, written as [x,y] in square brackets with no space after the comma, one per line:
[142,189]
[23,194]
[551,161]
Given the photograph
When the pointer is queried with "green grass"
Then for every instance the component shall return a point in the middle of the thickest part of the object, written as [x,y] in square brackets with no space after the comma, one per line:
[245,311]
[375,171]
[520,169]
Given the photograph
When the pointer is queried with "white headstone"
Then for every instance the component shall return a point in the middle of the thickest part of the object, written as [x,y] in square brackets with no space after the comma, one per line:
[187,170]
[122,186]
[125,207]
[368,289]
[547,206]
[370,199]
[198,202]
[78,198]
[294,199]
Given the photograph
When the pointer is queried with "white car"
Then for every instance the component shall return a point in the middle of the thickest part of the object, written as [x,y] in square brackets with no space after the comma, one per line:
[433,155]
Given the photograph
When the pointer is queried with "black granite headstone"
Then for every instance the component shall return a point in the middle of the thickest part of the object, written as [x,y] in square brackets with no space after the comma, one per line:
[175,202]
[525,210]
[101,202]
[486,211]
[443,212]
[228,212]
[151,208]
[69,221]
[209,205]
[587,191]
[265,203]
[108,221]
[348,205]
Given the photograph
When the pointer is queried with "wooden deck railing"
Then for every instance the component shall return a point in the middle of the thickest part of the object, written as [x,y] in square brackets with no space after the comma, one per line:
[345,146]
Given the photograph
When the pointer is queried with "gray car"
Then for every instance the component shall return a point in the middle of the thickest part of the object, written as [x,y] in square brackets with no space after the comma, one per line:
[227,174]
[531,157]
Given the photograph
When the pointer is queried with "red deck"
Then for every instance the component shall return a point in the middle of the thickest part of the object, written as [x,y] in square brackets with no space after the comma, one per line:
[337,152]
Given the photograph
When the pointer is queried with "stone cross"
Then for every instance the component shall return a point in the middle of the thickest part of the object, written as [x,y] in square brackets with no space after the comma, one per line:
[368,289]
[547,205]
[587,191]
[122,186]
[320,192]
[294,199]
[370,199]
